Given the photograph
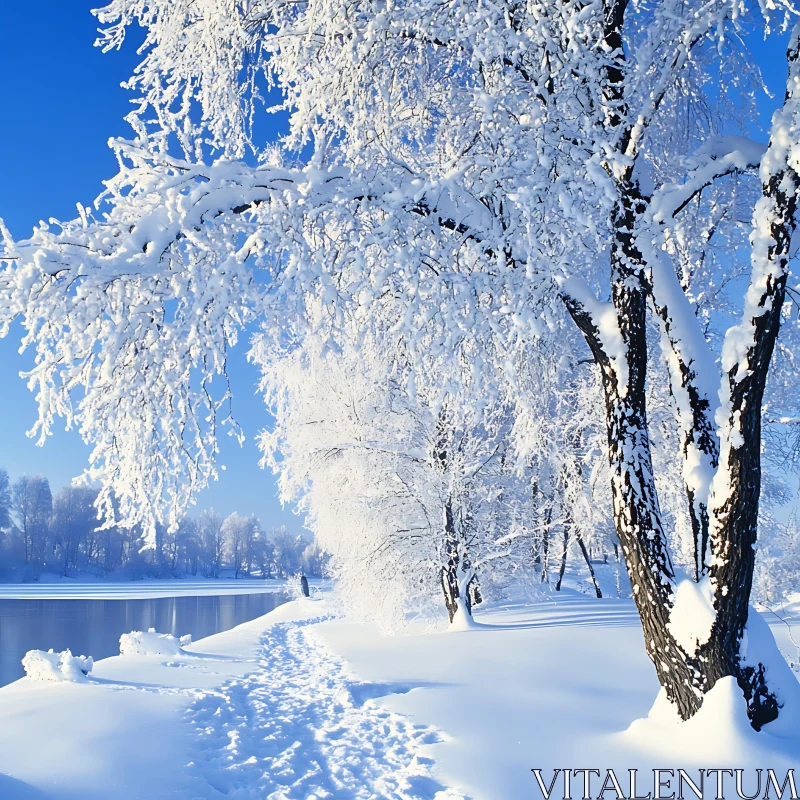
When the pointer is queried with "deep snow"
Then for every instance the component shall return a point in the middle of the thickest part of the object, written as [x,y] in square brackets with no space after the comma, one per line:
[294,705]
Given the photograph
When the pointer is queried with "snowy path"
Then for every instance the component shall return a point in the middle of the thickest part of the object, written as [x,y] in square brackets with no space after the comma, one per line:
[298,727]
[272,710]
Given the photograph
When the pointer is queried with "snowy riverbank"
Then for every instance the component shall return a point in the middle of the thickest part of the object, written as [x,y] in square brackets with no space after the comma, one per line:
[84,589]
[294,705]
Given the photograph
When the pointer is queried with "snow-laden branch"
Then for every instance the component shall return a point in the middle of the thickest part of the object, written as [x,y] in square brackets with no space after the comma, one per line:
[693,372]
[134,310]
[691,31]
[720,156]
[598,323]
[748,346]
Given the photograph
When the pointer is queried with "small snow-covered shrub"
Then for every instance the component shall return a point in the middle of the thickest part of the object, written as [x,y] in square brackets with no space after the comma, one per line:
[49,666]
[294,587]
[150,643]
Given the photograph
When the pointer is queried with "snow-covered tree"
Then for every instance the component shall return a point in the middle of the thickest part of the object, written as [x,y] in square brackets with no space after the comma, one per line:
[5,500]
[212,542]
[491,170]
[314,560]
[286,550]
[401,490]
[33,506]
[73,527]
[238,532]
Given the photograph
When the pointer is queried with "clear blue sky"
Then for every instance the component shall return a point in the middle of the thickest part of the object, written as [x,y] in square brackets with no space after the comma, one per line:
[60,101]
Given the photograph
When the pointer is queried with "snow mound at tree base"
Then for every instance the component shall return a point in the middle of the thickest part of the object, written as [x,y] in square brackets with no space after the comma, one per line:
[720,732]
[49,666]
[463,620]
[150,643]
[719,735]
[720,729]
[759,647]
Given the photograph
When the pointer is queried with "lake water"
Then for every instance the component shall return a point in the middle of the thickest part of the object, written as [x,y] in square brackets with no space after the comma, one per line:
[93,627]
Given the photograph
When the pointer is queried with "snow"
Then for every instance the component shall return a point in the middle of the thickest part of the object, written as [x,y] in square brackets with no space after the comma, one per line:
[719,731]
[463,620]
[686,332]
[720,155]
[304,704]
[124,733]
[692,615]
[150,643]
[546,685]
[605,320]
[721,146]
[49,666]
[759,646]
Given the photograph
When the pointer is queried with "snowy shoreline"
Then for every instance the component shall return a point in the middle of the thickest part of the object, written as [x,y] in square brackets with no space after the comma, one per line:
[142,589]
[302,703]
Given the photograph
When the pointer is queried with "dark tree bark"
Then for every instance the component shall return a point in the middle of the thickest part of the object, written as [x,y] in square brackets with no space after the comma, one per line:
[459,579]
[635,502]
[457,570]
[636,509]
[732,528]
[450,566]
[563,567]
[588,561]
[474,591]
[548,516]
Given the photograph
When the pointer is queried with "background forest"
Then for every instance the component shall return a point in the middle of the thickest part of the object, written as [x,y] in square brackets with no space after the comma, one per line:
[60,534]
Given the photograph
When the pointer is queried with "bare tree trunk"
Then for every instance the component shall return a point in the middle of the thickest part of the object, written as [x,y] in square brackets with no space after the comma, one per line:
[737,487]
[563,568]
[548,516]
[636,508]
[588,560]
[729,524]
[450,566]
[459,580]
[474,591]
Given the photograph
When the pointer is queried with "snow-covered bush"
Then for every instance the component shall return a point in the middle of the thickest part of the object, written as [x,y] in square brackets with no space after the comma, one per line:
[50,666]
[294,587]
[150,643]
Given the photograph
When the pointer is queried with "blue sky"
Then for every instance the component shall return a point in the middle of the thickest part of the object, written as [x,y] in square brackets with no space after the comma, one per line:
[60,101]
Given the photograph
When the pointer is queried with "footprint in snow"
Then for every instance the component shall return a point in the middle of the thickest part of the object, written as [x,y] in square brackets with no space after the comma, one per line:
[298,729]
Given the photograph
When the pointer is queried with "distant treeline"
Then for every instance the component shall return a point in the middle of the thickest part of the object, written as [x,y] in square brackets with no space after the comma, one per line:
[41,533]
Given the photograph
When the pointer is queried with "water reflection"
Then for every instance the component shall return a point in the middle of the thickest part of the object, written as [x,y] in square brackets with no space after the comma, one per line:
[93,627]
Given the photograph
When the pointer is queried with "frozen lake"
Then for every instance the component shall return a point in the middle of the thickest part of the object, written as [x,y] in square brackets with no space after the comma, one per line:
[93,627]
